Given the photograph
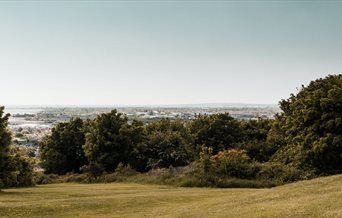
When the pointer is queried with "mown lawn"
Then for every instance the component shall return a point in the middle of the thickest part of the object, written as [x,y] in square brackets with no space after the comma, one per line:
[315,198]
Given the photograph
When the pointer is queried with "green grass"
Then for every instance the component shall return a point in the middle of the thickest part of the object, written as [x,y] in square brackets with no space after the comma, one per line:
[320,197]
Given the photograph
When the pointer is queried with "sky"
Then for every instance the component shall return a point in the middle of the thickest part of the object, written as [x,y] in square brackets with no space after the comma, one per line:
[164,52]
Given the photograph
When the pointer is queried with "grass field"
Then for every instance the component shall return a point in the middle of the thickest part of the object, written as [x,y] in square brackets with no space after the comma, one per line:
[320,197]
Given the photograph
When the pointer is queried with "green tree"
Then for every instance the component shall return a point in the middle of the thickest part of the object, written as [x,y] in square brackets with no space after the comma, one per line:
[256,130]
[5,141]
[167,143]
[106,141]
[21,168]
[136,135]
[62,151]
[255,134]
[15,167]
[218,131]
[310,127]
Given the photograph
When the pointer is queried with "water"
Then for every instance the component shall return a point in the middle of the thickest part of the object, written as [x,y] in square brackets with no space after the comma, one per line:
[17,122]
[21,110]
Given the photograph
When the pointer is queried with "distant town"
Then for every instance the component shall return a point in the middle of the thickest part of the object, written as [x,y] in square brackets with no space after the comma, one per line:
[30,123]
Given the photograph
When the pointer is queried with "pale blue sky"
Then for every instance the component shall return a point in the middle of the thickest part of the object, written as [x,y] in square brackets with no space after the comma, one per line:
[166,52]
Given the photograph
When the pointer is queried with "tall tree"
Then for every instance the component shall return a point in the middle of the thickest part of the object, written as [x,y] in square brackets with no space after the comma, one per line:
[255,134]
[21,168]
[311,127]
[5,141]
[167,143]
[62,151]
[106,144]
[218,131]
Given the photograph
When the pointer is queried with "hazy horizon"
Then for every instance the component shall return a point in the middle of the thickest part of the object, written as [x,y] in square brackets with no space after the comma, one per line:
[164,52]
[145,105]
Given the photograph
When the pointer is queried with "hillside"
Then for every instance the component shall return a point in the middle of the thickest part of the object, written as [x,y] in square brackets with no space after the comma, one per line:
[320,197]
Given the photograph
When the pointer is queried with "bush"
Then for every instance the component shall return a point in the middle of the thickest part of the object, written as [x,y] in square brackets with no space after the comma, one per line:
[229,163]
[234,168]
[41,178]
[94,170]
[19,169]
[72,177]
[233,163]
[122,170]
[281,174]
[196,179]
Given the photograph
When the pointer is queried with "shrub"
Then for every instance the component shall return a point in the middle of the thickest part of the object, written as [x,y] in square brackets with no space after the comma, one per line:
[229,163]
[281,174]
[233,163]
[41,178]
[122,170]
[94,170]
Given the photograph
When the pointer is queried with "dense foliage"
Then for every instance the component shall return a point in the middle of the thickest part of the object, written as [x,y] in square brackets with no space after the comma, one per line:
[310,127]
[5,141]
[166,143]
[304,140]
[15,167]
[62,151]
[255,139]
[218,131]
[110,139]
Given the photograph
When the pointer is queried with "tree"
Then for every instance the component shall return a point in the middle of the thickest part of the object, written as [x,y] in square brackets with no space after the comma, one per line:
[62,151]
[21,167]
[106,142]
[256,130]
[167,143]
[218,131]
[310,127]
[136,135]
[5,141]
[15,167]
[255,133]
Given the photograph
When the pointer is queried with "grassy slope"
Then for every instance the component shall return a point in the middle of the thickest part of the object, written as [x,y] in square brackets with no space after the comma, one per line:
[320,197]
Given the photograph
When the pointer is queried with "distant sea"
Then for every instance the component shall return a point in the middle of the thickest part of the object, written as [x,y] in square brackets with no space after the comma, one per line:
[23,110]
[16,122]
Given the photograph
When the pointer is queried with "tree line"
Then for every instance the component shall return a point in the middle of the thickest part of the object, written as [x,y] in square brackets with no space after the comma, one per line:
[111,139]
[302,141]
